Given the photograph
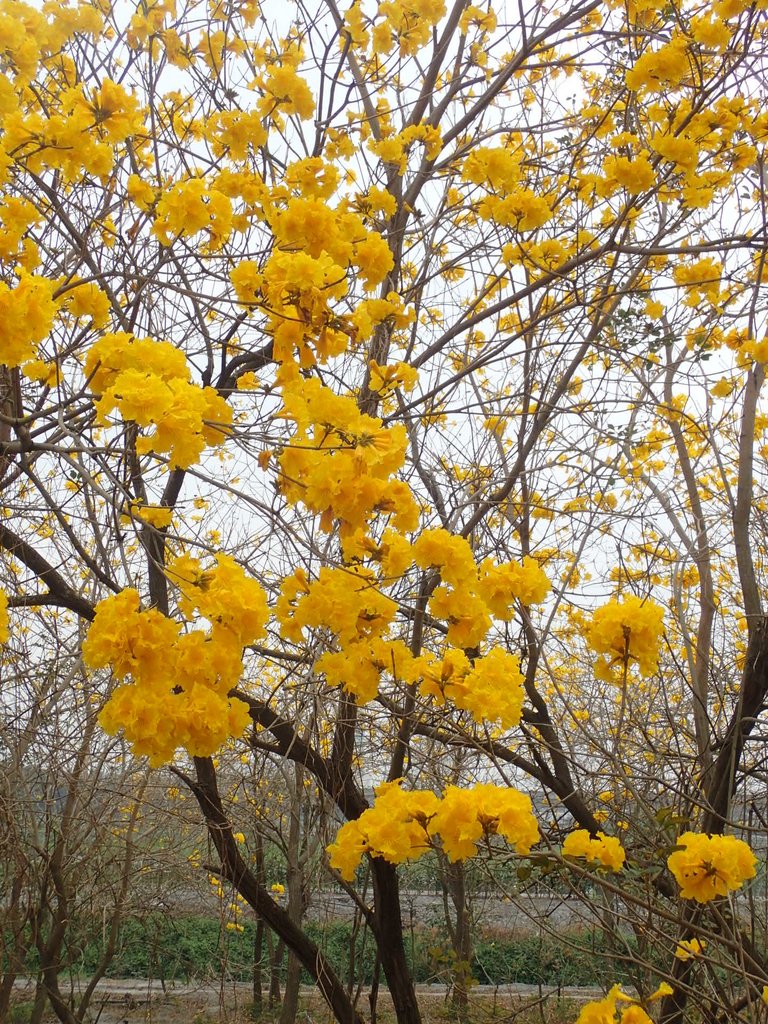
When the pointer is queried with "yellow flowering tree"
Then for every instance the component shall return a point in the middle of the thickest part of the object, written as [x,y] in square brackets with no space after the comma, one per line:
[384,379]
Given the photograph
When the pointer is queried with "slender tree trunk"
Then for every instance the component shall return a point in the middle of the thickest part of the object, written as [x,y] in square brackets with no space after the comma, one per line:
[275,963]
[38,1009]
[258,937]
[388,927]
[290,1007]
[373,995]
[236,871]
[256,976]
[15,948]
[461,937]
[6,987]
[295,880]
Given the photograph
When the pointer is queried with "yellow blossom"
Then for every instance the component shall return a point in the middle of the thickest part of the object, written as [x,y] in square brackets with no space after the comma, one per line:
[710,866]
[403,825]
[626,633]
[27,313]
[602,850]
[687,949]
[287,91]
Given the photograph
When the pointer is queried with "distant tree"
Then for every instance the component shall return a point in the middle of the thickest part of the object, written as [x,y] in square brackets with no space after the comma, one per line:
[70,846]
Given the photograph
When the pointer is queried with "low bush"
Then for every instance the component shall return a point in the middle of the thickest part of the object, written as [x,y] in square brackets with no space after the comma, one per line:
[201,948]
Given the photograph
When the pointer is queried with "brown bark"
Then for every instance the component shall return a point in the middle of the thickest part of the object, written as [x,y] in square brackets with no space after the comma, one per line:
[295,887]
[388,929]
[236,871]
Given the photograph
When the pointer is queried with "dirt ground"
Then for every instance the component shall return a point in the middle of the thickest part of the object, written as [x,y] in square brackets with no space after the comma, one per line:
[142,1002]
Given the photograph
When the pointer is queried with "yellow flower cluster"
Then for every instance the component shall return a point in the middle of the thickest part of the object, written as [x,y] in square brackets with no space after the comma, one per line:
[346,601]
[312,176]
[501,584]
[17,215]
[699,279]
[465,816]
[484,20]
[371,312]
[340,462]
[191,206]
[522,210]
[148,382]
[236,132]
[395,148]
[147,21]
[407,23]
[395,828]
[384,379]
[703,146]
[468,597]
[403,825]
[234,603]
[80,130]
[133,642]
[359,666]
[496,167]
[158,516]
[676,149]
[491,689]
[286,91]
[626,633]
[31,35]
[634,174]
[604,1011]
[86,299]
[315,247]
[451,553]
[295,290]
[710,866]
[309,225]
[688,949]
[604,851]
[27,313]
[157,724]
[674,63]
[655,70]
[180,681]
[508,202]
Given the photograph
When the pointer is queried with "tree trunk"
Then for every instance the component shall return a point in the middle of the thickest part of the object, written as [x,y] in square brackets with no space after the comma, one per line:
[388,928]
[258,937]
[258,953]
[295,880]
[236,871]
[275,963]
[461,937]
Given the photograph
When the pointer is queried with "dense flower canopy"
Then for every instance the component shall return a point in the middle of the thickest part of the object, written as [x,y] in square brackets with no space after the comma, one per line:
[381,398]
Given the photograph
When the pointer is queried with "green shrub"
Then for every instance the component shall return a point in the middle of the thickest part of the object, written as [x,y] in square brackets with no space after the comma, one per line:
[21,1013]
[540,959]
[201,948]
